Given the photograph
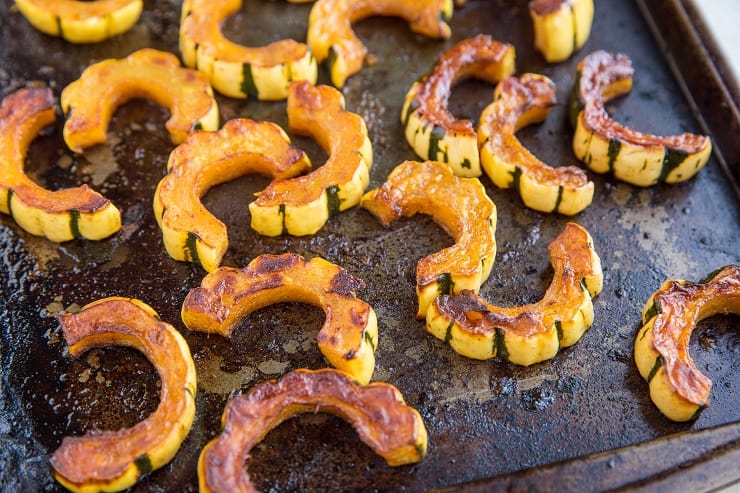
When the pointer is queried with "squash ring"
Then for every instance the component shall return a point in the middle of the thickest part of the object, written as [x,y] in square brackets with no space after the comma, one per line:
[378,413]
[81,22]
[206,159]
[606,146]
[239,71]
[90,101]
[430,129]
[678,389]
[517,103]
[302,205]
[560,26]
[460,206]
[533,333]
[60,215]
[349,335]
[114,460]
[331,38]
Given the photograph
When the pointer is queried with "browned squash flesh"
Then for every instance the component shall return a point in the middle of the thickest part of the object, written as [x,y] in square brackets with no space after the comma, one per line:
[114,460]
[460,206]
[90,101]
[349,335]
[378,413]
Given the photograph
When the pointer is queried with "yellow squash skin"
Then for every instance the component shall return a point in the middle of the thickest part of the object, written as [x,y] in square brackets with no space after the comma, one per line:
[89,102]
[533,333]
[517,103]
[60,215]
[349,335]
[460,206]
[560,26]
[302,205]
[114,460]
[81,22]
[191,233]
[430,129]
[331,38]
[234,70]
[605,146]
[678,389]
[378,412]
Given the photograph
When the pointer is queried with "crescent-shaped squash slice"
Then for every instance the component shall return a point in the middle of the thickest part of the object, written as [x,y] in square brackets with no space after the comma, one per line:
[349,335]
[59,215]
[89,102]
[517,103]
[532,333]
[606,146]
[235,70]
[377,411]
[302,205]
[560,26]
[81,22]
[460,206]
[114,460]
[677,387]
[430,129]
[204,160]
[331,38]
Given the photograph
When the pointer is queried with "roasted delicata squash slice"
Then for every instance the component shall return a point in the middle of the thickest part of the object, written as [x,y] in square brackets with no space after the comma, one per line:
[349,335]
[532,333]
[206,159]
[235,70]
[89,102]
[81,22]
[606,146]
[677,387]
[60,215]
[430,129]
[561,26]
[382,419]
[517,103]
[331,38]
[302,205]
[114,460]
[460,206]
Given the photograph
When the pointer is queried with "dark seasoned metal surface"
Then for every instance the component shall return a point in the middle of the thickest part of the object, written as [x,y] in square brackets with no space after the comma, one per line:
[484,418]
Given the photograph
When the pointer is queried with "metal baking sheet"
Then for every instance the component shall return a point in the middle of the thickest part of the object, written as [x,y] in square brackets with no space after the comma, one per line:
[486,420]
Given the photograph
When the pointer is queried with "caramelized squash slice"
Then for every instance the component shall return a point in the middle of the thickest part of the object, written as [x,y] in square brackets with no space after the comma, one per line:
[235,70]
[517,103]
[378,413]
[206,159]
[331,38]
[606,146]
[302,205]
[430,129]
[114,460]
[60,215]
[532,333]
[89,102]
[460,206]
[349,335]
[81,22]
[561,27]
[677,387]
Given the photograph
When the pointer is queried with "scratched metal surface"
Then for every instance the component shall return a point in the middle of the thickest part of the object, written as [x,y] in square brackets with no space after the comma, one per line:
[484,418]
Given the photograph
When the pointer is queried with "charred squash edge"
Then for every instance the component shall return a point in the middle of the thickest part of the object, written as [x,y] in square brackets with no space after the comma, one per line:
[129,322]
[349,335]
[518,102]
[90,101]
[677,388]
[560,27]
[377,411]
[533,333]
